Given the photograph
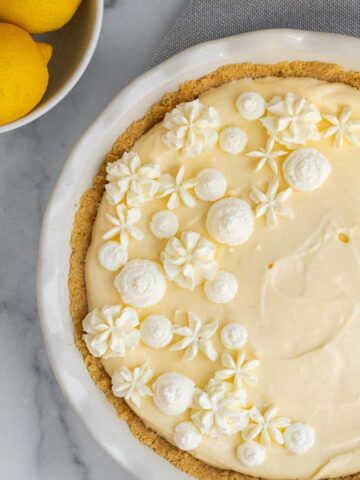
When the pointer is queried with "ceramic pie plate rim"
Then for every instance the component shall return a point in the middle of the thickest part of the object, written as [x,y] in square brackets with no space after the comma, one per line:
[266,46]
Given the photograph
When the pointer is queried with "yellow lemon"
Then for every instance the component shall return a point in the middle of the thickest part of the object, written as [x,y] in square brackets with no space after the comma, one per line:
[38,16]
[23,72]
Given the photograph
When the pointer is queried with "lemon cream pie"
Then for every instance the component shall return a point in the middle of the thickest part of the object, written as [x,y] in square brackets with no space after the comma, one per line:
[215,275]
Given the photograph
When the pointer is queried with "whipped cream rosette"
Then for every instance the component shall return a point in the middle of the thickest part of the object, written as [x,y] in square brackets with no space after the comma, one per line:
[111,331]
[131,180]
[217,411]
[292,120]
[191,128]
[189,260]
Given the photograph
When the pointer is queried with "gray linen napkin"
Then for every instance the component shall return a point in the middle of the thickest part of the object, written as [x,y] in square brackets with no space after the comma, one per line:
[204,20]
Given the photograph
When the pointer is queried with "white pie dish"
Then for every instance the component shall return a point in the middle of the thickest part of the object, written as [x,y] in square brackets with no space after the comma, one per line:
[130,104]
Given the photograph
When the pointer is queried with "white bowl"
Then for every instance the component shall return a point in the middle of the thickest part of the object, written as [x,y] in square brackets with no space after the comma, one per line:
[73,47]
[99,416]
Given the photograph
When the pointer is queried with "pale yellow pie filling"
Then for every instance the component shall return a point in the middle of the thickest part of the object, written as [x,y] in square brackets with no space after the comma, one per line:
[298,289]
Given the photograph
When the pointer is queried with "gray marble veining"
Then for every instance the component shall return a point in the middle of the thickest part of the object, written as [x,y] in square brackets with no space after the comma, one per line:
[41,438]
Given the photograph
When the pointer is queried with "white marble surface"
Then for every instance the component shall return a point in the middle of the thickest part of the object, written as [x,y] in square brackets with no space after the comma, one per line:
[41,438]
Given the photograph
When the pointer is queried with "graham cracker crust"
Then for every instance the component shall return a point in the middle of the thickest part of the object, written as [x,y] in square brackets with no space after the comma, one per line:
[87,211]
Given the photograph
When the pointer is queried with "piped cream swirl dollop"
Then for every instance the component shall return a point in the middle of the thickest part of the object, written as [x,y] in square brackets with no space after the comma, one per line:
[112,255]
[164,224]
[156,331]
[306,169]
[251,105]
[141,283]
[221,288]
[173,393]
[232,140]
[234,335]
[186,436]
[251,454]
[211,184]
[230,221]
[299,438]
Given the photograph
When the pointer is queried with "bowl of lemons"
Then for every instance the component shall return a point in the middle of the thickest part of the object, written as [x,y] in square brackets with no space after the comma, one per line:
[45,47]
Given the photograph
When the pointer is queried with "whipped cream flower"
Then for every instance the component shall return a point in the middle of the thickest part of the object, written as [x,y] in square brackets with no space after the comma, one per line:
[230,221]
[132,385]
[251,105]
[306,169]
[196,336]
[211,184]
[189,260]
[292,120]
[141,283]
[164,224]
[186,436]
[239,370]
[173,393]
[265,426]
[191,128]
[342,127]
[130,180]
[251,454]
[299,438]
[177,189]
[221,288]
[156,331]
[112,255]
[111,331]
[124,225]
[271,203]
[233,336]
[268,156]
[217,411]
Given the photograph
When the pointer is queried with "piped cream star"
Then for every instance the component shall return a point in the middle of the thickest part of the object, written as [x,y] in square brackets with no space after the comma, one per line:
[271,202]
[124,224]
[342,127]
[196,337]
[177,189]
[132,385]
[267,155]
[131,181]
[239,370]
[266,426]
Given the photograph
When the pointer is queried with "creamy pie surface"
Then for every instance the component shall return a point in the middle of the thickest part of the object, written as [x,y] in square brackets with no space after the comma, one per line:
[298,282]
